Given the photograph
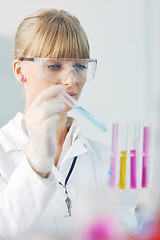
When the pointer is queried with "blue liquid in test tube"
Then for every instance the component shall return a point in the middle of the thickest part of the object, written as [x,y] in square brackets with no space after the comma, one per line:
[74,104]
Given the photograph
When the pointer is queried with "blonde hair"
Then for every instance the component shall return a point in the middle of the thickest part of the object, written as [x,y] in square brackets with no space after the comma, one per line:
[51,33]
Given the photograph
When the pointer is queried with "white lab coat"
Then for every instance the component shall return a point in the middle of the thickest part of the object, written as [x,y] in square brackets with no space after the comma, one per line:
[30,204]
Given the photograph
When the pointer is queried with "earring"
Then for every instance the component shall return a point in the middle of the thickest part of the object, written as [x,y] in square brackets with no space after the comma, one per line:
[23,79]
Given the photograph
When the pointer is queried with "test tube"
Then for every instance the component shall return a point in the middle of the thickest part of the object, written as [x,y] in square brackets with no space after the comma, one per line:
[134,145]
[115,128]
[145,159]
[74,104]
[123,159]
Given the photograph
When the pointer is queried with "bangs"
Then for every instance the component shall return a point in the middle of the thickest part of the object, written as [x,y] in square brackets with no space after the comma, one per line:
[59,38]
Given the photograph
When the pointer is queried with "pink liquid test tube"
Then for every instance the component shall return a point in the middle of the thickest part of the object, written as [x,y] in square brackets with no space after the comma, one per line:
[114,152]
[134,137]
[133,177]
[145,160]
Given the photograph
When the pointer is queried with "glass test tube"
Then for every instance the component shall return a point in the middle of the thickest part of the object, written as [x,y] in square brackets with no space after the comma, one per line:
[145,160]
[74,104]
[123,159]
[114,153]
[134,146]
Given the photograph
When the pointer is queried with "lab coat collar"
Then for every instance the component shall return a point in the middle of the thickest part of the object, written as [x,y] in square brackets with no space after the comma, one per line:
[73,144]
[76,149]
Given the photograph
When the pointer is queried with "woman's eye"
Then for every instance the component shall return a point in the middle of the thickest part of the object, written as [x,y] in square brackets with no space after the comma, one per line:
[80,67]
[54,67]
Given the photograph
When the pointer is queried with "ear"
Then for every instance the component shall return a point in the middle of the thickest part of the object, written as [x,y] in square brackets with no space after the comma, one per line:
[17,68]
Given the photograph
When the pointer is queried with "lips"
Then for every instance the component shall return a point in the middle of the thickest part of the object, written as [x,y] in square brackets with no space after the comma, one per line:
[72,94]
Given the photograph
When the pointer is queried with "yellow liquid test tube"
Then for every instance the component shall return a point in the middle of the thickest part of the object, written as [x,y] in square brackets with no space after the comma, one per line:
[123,164]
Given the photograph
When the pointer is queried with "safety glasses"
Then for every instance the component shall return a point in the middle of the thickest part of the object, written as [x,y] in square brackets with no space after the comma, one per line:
[58,69]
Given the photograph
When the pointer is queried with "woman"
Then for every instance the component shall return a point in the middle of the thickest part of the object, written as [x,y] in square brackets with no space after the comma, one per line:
[44,161]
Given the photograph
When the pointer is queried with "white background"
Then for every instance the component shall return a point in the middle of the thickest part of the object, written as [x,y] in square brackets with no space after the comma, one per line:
[124,36]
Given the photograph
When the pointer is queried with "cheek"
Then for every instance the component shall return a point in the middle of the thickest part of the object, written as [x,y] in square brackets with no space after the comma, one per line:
[34,86]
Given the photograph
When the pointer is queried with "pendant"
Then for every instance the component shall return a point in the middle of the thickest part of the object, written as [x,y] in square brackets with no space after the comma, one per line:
[69,204]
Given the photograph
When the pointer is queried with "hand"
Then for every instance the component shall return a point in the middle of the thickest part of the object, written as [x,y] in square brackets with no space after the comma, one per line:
[40,124]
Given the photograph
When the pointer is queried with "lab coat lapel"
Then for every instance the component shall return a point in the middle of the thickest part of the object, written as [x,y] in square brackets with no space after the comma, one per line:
[76,149]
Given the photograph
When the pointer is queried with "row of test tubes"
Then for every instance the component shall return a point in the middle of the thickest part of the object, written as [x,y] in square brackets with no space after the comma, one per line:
[130,147]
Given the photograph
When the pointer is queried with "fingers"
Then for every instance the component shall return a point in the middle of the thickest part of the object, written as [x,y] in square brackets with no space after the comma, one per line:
[45,106]
[49,124]
[51,107]
[47,94]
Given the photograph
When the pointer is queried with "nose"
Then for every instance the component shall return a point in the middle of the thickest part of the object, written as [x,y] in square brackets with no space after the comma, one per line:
[70,77]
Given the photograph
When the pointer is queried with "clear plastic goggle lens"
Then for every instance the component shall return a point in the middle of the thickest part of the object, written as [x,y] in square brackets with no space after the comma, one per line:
[57,70]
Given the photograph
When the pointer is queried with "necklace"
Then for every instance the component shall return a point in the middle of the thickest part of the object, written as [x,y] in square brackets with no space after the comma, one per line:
[68,200]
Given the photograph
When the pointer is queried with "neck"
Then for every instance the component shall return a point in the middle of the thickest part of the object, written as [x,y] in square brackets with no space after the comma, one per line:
[62,130]
[61,133]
